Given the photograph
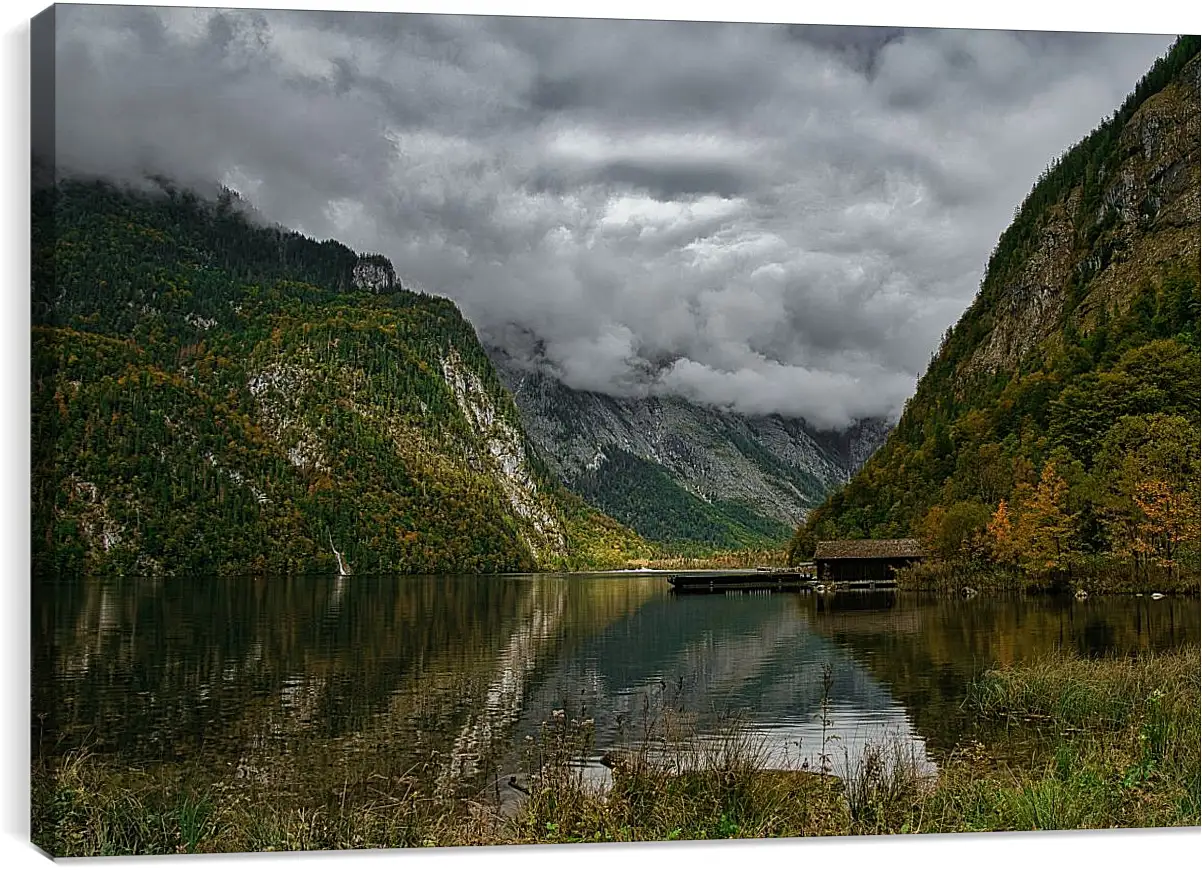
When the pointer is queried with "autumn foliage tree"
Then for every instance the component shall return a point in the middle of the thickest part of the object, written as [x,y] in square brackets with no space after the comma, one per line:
[1168,525]
[1000,536]
[1151,503]
[1044,537]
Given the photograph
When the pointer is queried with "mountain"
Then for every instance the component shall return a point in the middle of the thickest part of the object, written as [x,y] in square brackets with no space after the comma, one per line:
[1058,421]
[681,473]
[214,395]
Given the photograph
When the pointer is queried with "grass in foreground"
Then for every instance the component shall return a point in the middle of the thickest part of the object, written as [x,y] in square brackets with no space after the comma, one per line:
[1101,743]
[1064,743]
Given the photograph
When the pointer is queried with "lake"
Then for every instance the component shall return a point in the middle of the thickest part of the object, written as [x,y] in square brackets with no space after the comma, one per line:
[447,678]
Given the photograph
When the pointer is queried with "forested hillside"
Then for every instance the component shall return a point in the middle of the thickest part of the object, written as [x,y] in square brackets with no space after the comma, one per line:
[210,394]
[1057,426]
[639,493]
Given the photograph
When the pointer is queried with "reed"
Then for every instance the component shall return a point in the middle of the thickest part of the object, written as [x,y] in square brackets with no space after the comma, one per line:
[1094,575]
[952,579]
[1083,743]
[883,787]
[1072,691]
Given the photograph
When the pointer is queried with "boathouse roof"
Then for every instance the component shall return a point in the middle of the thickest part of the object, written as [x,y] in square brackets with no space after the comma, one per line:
[894,548]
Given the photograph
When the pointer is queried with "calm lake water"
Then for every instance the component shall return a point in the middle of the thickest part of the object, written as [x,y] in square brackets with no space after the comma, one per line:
[230,677]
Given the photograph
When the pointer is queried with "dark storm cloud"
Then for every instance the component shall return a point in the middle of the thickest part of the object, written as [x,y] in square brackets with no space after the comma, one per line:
[771,218]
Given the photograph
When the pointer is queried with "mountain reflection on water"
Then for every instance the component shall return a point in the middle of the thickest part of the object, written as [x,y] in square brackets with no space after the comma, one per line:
[231,673]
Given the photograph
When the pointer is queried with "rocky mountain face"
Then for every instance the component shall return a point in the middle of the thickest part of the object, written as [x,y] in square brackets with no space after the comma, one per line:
[1078,356]
[1130,212]
[745,480]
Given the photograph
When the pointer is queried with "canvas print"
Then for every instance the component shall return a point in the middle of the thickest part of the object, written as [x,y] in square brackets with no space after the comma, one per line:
[456,430]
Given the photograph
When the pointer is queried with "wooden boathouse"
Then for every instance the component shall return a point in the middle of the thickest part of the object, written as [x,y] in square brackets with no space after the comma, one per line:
[864,563]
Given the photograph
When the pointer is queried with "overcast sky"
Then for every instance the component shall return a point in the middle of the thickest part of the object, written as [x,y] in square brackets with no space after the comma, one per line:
[776,219]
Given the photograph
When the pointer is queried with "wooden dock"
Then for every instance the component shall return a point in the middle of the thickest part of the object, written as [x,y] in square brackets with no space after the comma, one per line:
[775,580]
[746,581]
